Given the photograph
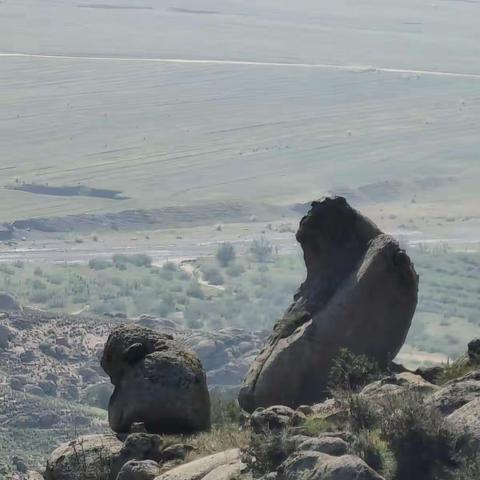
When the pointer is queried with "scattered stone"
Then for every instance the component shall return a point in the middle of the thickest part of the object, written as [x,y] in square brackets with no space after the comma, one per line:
[358,281]
[156,382]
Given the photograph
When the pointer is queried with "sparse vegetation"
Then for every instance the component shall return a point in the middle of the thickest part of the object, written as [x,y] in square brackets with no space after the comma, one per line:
[255,293]
[225,254]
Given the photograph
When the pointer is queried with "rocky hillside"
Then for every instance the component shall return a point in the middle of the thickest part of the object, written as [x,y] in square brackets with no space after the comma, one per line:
[53,386]
[321,397]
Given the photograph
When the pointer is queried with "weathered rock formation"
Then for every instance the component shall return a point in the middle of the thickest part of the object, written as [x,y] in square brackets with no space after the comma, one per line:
[360,293]
[157,383]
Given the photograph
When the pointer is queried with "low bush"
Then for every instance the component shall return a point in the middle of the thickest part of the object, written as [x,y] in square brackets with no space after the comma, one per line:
[352,372]
[99,264]
[375,452]
[213,276]
[424,444]
[265,453]
[225,254]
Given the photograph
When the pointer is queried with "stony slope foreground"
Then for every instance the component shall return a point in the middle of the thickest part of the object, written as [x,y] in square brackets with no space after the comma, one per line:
[325,403]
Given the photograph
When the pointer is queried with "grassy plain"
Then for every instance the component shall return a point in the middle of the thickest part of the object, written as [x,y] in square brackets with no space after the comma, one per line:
[245,294]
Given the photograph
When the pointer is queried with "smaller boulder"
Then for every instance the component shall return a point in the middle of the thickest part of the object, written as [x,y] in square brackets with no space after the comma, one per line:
[275,419]
[139,470]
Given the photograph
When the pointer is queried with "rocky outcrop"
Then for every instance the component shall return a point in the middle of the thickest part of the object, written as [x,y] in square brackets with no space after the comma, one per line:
[157,383]
[360,293]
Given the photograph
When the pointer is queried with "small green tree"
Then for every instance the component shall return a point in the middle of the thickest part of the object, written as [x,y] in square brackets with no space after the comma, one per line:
[225,254]
[261,249]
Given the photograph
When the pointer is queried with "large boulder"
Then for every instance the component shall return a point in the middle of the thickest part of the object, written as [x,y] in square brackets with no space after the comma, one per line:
[157,383]
[360,293]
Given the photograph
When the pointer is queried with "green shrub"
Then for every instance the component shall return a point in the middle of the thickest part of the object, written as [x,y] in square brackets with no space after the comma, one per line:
[363,413]
[315,425]
[213,276]
[375,452]
[195,290]
[421,439]
[40,296]
[454,370]
[140,260]
[38,272]
[265,453]
[224,411]
[235,270]
[169,266]
[37,284]
[225,254]
[352,372]
[261,249]
[99,264]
